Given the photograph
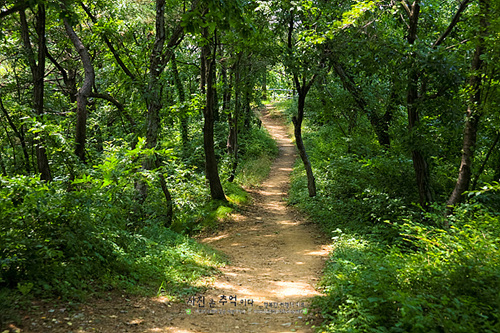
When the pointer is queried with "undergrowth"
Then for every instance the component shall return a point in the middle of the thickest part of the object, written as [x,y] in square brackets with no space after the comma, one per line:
[70,238]
[393,268]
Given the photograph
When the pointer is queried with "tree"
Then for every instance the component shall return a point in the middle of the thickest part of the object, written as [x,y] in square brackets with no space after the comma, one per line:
[208,60]
[37,67]
[83,93]
[302,84]
[474,106]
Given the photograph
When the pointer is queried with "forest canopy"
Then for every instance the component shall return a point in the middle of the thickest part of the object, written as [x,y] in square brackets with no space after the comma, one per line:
[127,126]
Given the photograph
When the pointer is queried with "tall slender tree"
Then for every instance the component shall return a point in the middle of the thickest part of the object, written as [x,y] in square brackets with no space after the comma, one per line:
[37,66]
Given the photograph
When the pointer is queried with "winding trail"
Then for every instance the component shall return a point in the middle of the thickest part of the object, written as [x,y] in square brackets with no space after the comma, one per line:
[276,259]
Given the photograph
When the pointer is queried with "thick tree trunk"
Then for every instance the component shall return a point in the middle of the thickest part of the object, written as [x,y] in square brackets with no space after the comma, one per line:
[38,73]
[297,124]
[473,113]
[211,169]
[83,92]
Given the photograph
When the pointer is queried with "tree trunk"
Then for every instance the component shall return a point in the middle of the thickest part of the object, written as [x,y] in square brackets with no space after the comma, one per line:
[83,92]
[211,169]
[233,119]
[2,164]
[496,175]
[38,73]
[485,161]
[297,124]
[419,162]
[302,90]
[473,113]
[20,135]
[379,124]
[183,117]
[158,61]
[264,84]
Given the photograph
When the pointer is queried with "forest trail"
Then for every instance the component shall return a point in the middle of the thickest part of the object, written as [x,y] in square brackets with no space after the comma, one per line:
[276,259]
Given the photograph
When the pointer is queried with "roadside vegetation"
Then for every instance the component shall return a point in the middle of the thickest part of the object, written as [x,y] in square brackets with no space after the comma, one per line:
[393,267]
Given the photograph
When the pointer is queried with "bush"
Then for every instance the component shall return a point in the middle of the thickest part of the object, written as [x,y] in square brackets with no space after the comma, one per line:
[96,234]
[449,284]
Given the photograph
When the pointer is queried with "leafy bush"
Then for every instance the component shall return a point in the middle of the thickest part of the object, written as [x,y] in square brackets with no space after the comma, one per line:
[258,150]
[96,234]
[392,267]
[450,284]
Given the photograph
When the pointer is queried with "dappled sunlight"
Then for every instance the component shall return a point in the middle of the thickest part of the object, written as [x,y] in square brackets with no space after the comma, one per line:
[295,289]
[322,253]
[215,238]
[274,257]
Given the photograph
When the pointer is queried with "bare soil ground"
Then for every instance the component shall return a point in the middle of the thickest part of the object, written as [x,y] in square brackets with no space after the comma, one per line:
[276,260]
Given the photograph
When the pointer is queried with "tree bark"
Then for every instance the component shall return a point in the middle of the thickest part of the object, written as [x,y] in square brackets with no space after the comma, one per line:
[83,93]
[412,97]
[486,159]
[211,169]
[302,90]
[297,124]
[380,124]
[38,73]
[473,113]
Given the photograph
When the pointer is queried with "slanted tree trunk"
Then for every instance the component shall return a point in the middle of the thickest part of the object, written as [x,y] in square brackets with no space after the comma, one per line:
[211,168]
[297,124]
[379,124]
[473,113]
[485,161]
[83,92]
[38,72]
[20,135]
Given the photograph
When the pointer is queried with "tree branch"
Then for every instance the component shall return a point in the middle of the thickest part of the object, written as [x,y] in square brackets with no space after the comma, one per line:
[452,24]
[16,8]
[110,46]
[406,7]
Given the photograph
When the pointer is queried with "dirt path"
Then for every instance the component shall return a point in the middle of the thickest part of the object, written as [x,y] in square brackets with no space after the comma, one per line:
[276,260]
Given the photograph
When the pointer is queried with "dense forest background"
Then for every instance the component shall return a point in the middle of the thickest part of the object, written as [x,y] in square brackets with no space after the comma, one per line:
[127,126]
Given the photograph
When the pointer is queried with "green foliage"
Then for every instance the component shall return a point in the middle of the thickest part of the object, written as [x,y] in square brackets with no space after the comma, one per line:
[96,235]
[392,267]
[449,283]
[258,150]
